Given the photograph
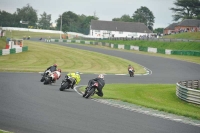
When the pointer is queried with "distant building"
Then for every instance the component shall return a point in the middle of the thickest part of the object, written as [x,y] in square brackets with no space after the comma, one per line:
[187,25]
[105,29]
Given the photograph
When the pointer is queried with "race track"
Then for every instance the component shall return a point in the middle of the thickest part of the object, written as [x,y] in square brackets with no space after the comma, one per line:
[28,106]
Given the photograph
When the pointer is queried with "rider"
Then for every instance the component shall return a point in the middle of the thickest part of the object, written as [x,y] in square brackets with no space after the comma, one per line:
[101,83]
[130,67]
[57,75]
[77,78]
[52,68]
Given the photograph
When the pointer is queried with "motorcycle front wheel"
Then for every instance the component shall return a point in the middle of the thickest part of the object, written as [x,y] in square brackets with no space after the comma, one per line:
[90,93]
[47,81]
[64,86]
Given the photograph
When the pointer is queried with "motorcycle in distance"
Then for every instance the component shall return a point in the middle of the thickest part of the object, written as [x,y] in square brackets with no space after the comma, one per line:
[49,78]
[45,75]
[66,83]
[131,72]
[91,90]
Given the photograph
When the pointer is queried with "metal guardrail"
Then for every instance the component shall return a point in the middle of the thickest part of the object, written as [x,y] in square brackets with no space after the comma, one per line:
[189,91]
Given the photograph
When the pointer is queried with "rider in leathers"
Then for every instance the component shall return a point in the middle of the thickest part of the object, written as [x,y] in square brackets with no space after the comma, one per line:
[52,68]
[101,83]
[77,78]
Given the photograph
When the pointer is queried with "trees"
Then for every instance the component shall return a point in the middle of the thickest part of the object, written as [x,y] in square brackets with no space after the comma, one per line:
[144,15]
[69,21]
[44,21]
[75,23]
[186,9]
[124,18]
[6,19]
[27,13]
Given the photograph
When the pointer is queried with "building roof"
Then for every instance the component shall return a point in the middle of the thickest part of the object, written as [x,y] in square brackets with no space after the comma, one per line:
[171,26]
[119,26]
[190,22]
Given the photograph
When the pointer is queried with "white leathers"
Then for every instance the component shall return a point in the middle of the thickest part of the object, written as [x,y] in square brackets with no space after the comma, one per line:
[56,74]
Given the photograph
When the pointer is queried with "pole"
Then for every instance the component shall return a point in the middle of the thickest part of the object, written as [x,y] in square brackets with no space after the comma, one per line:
[60,26]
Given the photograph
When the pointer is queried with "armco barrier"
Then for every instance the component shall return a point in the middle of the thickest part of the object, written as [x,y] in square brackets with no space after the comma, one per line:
[189,91]
[130,47]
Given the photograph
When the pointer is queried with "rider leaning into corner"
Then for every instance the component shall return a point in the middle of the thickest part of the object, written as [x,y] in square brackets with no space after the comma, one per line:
[77,78]
[52,68]
[101,83]
[57,75]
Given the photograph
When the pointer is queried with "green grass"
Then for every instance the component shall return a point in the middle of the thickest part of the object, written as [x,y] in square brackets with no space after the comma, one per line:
[159,44]
[2,42]
[41,55]
[21,34]
[157,96]
[2,131]
[185,35]
[194,59]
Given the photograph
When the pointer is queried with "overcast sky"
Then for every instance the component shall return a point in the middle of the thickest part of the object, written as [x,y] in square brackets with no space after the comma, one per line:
[104,9]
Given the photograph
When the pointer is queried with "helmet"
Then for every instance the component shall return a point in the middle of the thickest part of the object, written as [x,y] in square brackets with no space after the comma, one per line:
[77,72]
[101,76]
[59,70]
[55,65]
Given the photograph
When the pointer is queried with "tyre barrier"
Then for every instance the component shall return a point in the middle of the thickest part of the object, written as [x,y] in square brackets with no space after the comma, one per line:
[189,91]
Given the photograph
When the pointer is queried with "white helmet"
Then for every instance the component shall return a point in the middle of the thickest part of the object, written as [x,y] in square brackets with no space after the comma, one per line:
[101,76]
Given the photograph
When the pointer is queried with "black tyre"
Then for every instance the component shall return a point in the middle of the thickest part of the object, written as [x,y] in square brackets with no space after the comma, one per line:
[42,79]
[64,86]
[92,91]
[47,81]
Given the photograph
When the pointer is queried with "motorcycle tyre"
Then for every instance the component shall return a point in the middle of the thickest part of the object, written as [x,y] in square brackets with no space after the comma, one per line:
[47,81]
[64,86]
[92,91]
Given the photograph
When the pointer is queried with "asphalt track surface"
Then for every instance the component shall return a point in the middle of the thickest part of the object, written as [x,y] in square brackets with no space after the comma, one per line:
[28,106]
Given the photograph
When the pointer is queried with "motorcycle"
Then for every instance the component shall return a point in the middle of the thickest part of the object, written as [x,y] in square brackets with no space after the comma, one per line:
[66,83]
[49,79]
[91,90]
[45,75]
[131,72]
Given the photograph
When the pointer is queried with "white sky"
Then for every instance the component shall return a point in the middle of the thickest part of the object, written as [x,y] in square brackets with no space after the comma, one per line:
[105,9]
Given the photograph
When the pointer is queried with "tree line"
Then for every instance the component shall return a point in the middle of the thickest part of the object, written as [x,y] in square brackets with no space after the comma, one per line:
[71,22]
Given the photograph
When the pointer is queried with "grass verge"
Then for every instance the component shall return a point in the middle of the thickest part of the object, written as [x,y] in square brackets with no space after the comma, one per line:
[2,131]
[195,46]
[157,96]
[41,55]
[194,59]
[20,34]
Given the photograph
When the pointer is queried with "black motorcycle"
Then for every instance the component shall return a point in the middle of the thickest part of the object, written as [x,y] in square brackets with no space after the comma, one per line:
[91,90]
[45,74]
[49,79]
[66,83]
[131,72]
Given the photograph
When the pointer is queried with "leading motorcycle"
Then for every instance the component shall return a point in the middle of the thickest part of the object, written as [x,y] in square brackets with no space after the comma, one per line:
[44,75]
[66,83]
[49,79]
[91,90]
